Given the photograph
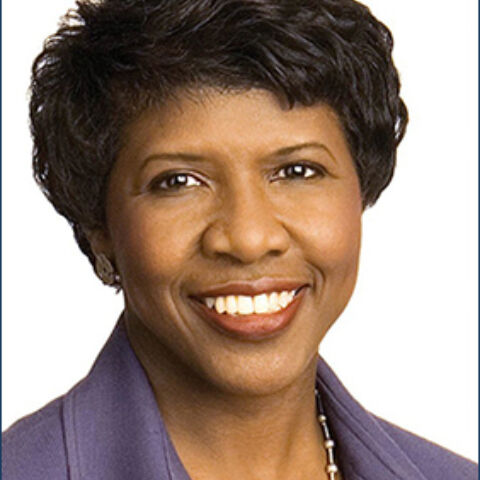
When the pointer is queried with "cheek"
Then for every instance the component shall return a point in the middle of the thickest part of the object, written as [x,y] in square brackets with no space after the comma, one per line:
[152,243]
[330,236]
[332,246]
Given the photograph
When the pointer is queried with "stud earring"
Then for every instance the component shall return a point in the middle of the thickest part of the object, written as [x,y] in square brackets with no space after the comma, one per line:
[105,270]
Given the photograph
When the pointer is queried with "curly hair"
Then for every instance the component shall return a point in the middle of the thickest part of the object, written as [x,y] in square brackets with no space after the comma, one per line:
[111,59]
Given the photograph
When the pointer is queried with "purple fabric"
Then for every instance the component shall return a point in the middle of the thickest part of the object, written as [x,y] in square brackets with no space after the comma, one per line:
[108,427]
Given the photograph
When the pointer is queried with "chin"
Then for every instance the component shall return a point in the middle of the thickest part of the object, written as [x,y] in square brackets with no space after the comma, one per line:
[258,370]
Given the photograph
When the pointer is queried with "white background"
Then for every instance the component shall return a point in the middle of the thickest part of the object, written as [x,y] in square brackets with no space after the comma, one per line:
[406,346]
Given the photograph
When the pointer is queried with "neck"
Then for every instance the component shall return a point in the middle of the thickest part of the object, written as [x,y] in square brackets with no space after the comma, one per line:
[220,434]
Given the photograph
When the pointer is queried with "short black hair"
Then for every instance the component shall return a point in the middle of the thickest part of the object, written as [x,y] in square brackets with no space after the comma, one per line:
[111,59]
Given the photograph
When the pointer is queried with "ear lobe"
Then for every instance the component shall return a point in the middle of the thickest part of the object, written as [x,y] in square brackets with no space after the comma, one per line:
[104,263]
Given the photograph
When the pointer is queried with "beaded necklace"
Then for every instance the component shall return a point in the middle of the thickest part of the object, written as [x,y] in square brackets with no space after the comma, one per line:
[332,468]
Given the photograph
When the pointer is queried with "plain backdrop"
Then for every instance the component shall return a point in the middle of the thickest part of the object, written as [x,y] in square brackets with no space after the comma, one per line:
[406,346]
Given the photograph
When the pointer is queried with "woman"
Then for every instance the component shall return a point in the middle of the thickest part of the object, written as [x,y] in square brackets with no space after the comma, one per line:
[214,160]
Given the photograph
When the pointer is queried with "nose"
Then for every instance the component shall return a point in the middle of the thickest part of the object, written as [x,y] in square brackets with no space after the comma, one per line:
[245,227]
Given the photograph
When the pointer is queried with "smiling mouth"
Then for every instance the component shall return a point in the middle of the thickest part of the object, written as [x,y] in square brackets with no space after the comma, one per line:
[250,317]
[247,305]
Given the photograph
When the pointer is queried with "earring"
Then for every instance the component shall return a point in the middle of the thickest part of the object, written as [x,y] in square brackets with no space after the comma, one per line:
[105,270]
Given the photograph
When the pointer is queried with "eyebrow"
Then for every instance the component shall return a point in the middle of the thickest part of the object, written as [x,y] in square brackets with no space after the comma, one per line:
[172,156]
[195,157]
[289,150]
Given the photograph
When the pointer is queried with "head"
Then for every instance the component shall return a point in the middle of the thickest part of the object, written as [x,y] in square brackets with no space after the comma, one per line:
[124,81]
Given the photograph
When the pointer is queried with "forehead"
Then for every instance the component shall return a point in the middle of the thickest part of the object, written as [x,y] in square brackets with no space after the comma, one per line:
[251,121]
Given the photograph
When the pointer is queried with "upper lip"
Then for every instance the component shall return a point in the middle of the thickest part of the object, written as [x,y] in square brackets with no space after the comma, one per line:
[252,287]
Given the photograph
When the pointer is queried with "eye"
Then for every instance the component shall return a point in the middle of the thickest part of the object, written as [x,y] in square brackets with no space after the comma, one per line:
[300,170]
[174,181]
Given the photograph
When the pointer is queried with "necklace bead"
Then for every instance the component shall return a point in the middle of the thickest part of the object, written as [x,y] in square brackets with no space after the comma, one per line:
[329,444]
[332,468]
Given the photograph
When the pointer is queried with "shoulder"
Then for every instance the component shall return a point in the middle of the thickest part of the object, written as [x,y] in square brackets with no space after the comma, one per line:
[435,462]
[33,448]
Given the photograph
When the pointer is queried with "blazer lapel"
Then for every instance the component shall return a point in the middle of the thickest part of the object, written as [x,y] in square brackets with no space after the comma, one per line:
[113,428]
[364,449]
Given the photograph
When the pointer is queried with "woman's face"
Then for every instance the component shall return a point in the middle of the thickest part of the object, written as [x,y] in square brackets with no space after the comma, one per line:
[226,198]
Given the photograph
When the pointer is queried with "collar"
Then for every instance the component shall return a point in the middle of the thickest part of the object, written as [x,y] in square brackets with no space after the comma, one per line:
[114,430]
[364,449]
[113,427]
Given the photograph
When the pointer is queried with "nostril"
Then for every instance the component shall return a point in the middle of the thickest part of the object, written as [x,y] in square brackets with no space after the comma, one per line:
[245,241]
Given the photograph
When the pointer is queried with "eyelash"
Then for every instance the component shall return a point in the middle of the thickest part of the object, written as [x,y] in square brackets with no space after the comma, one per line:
[293,171]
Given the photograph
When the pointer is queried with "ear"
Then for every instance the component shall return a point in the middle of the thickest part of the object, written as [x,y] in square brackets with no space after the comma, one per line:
[104,263]
[100,242]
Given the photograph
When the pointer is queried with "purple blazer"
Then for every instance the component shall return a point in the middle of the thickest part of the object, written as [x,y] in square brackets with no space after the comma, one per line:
[108,427]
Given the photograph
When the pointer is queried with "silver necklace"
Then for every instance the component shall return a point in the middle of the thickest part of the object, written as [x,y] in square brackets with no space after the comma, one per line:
[332,468]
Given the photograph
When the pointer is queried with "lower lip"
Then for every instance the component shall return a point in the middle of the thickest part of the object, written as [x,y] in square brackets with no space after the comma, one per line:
[251,327]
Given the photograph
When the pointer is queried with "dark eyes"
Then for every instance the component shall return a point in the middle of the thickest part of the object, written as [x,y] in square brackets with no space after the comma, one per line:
[299,171]
[175,181]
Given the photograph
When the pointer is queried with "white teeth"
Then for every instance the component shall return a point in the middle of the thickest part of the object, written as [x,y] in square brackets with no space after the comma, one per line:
[260,303]
[246,305]
[273,302]
[284,299]
[220,304]
[231,305]
[210,301]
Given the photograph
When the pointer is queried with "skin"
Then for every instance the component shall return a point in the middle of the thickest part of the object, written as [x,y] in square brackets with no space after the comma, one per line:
[240,218]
